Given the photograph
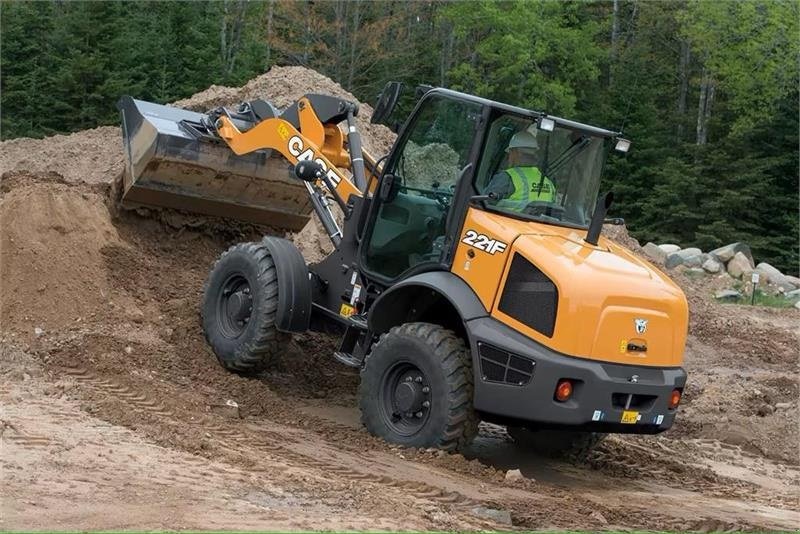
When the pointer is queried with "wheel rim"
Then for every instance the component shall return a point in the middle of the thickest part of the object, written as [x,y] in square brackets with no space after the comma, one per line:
[234,306]
[405,398]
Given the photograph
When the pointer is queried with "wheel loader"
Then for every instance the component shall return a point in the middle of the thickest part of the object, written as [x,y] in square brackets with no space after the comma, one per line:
[455,306]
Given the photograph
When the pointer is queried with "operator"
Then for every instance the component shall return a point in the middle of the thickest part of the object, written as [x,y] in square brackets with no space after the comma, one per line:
[522,182]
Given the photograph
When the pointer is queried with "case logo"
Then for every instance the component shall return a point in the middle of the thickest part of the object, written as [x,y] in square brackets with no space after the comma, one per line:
[640,325]
[298,150]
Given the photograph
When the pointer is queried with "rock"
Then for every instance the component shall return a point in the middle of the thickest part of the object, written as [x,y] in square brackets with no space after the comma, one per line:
[229,409]
[673,260]
[793,280]
[773,276]
[740,265]
[695,271]
[689,252]
[713,265]
[793,294]
[128,350]
[783,406]
[669,249]
[499,516]
[797,304]
[514,475]
[654,253]
[38,331]
[728,295]
[726,253]
[690,257]
[600,518]
[764,410]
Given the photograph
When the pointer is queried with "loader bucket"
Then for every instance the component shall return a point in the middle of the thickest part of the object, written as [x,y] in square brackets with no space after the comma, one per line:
[169,165]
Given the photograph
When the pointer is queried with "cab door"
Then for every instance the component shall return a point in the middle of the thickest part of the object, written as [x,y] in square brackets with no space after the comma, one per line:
[416,192]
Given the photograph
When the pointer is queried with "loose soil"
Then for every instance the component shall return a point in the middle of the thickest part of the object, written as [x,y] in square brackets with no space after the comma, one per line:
[114,411]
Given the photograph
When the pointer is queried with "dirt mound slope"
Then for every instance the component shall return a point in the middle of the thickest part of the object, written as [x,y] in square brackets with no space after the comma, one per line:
[284,85]
[90,156]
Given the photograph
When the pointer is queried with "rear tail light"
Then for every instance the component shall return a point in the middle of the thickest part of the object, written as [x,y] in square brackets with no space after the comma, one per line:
[563,390]
[674,399]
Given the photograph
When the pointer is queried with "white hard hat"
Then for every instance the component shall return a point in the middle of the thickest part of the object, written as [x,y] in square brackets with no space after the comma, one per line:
[523,140]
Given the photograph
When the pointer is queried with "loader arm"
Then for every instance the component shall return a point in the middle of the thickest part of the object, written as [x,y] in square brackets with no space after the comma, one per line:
[279,134]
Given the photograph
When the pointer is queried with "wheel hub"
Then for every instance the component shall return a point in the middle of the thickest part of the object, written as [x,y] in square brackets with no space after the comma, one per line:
[240,305]
[234,306]
[408,396]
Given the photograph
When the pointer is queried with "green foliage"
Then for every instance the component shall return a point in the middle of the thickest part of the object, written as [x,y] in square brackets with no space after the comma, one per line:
[647,71]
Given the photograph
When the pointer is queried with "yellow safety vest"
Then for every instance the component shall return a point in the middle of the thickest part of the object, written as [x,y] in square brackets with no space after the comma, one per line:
[528,187]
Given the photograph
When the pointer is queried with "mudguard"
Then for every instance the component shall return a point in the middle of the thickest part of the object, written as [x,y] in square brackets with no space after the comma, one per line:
[388,309]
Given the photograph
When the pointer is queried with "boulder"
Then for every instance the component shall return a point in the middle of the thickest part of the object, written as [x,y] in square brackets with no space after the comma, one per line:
[773,276]
[793,294]
[793,280]
[726,253]
[797,304]
[730,295]
[740,265]
[669,248]
[690,257]
[673,260]
[654,253]
[713,265]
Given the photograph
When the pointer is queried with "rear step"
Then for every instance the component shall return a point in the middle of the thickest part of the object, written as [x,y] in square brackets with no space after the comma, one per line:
[174,162]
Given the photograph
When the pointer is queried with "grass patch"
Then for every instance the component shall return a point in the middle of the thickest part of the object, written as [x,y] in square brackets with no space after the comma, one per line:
[761,298]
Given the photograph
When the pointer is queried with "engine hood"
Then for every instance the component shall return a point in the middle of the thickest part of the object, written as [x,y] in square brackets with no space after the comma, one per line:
[612,306]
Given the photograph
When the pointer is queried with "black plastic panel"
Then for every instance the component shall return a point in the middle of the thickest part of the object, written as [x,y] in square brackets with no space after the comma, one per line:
[530,297]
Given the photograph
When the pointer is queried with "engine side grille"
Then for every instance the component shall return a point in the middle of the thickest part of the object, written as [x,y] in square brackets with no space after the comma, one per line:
[500,366]
[530,297]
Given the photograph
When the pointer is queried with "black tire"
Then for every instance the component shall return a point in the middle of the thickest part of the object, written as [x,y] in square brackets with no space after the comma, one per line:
[564,444]
[440,358]
[240,300]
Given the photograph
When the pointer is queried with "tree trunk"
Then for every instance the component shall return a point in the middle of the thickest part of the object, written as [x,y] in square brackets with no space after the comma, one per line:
[307,35]
[231,32]
[683,91]
[270,18]
[705,103]
[340,17]
[614,41]
[446,57]
[354,43]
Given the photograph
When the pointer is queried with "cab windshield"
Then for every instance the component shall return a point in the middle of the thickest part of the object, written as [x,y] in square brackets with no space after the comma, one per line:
[547,176]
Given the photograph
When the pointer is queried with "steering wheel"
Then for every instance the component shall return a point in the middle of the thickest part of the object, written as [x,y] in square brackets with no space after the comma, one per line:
[539,208]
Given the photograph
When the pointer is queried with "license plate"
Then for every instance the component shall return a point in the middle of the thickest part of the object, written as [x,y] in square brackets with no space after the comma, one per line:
[629,417]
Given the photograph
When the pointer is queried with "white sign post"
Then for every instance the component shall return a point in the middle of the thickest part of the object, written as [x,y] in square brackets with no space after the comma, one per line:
[753,278]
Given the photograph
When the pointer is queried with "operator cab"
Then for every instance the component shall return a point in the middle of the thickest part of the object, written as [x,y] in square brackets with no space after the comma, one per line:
[456,148]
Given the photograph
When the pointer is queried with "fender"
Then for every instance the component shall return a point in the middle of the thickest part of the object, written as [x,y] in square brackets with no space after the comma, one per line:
[294,286]
[389,309]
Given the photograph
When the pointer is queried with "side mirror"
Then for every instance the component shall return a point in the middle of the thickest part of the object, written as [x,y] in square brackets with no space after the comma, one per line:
[386,103]
[389,188]
[308,170]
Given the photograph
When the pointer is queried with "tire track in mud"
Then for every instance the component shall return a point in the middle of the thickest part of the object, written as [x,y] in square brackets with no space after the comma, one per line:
[273,445]
[278,449]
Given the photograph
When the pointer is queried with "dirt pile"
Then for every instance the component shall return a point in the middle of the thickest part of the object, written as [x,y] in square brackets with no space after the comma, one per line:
[284,85]
[90,156]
